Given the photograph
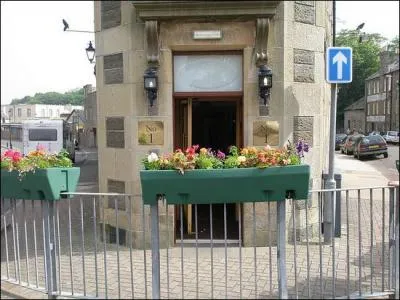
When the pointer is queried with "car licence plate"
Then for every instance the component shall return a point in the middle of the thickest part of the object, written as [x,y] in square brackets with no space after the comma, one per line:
[373,147]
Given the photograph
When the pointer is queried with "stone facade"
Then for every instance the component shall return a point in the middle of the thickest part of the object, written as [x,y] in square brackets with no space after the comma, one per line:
[297,34]
[354,116]
[89,135]
[382,95]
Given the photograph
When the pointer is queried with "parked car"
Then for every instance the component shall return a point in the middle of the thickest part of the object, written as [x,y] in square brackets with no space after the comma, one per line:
[348,146]
[377,133]
[339,139]
[391,136]
[371,145]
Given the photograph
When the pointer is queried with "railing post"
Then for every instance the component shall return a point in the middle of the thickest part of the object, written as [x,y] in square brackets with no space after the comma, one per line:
[338,219]
[155,251]
[50,256]
[395,273]
[281,248]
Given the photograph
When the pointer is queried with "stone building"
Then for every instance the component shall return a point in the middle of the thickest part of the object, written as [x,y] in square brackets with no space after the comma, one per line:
[207,56]
[89,134]
[17,113]
[382,95]
[354,116]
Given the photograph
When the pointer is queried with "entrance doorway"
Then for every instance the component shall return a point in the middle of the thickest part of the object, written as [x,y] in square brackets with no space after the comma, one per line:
[210,123]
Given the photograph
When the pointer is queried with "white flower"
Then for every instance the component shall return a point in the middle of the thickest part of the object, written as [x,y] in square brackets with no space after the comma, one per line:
[268,147]
[241,159]
[152,157]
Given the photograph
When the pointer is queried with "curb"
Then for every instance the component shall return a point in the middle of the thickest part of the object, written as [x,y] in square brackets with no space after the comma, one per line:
[20,291]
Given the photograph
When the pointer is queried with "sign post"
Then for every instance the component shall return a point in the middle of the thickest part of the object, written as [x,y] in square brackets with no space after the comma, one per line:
[339,69]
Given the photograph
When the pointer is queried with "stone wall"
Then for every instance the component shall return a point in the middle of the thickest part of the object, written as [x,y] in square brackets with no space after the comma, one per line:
[299,105]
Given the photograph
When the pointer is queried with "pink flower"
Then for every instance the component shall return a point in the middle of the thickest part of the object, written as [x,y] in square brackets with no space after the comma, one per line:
[9,153]
[16,156]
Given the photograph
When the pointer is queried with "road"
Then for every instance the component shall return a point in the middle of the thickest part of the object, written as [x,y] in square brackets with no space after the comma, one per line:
[386,166]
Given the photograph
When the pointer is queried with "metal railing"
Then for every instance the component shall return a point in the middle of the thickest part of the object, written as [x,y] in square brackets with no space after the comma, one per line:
[80,247]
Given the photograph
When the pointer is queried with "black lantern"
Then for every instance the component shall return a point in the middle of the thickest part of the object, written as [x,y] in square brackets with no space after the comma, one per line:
[90,52]
[264,82]
[151,84]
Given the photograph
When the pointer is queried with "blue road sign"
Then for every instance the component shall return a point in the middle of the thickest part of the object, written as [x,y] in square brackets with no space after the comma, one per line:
[339,65]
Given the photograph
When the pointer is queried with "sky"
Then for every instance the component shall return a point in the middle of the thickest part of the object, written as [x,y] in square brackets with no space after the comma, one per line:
[37,56]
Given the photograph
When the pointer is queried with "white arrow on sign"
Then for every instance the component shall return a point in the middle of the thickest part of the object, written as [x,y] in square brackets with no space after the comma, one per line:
[340,59]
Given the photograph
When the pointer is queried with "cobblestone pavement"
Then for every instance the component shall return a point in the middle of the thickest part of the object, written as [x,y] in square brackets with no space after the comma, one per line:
[241,273]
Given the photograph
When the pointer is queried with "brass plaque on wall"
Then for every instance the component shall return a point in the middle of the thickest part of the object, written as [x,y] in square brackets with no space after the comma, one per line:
[151,133]
[265,133]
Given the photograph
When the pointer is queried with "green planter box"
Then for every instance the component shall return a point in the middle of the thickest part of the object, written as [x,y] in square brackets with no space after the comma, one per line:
[43,184]
[225,185]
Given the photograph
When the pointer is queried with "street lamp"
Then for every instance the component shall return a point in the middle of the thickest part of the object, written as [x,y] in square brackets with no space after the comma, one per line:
[264,83]
[90,52]
[151,84]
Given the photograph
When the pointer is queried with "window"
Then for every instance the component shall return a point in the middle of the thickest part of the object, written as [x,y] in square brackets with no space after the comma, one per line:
[369,88]
[113,235]
[19,112]
[115,134]
[28,112]
[205,73]
[43,113]
[42,134]
[388,108]
[378,85]
[50,113]
[369,109]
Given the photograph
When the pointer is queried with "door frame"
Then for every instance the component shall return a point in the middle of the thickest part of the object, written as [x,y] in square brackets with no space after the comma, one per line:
[236,97]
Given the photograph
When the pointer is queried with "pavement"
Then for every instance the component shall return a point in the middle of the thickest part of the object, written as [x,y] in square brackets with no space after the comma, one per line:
[355,174]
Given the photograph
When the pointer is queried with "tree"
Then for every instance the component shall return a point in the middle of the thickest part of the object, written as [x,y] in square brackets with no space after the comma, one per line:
[365,63]
[73,97]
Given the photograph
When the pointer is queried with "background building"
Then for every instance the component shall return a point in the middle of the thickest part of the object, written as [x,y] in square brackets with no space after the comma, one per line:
[89,134]
[17,113]
[354,116]
[207,56]
[382,95]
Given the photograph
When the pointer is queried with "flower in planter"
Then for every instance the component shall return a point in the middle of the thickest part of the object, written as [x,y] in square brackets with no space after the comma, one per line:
[12,160]
[195,157]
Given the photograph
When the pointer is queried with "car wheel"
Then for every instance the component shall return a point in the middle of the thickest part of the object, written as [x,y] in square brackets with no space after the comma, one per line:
[385,155]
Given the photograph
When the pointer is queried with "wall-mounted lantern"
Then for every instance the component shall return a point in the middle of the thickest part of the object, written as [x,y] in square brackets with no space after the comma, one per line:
[151,84]
[90,52]
[264,83]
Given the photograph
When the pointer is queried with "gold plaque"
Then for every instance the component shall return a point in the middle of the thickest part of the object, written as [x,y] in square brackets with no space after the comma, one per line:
[265,133]
[151,133]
